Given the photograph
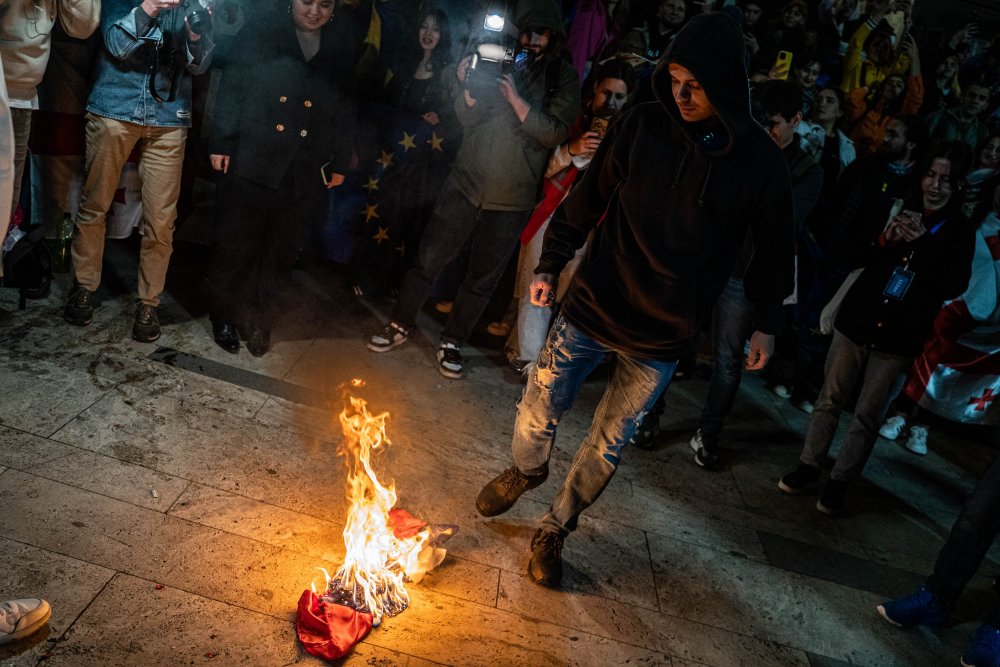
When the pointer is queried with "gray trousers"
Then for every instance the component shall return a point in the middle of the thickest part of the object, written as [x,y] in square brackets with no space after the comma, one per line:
[881,376]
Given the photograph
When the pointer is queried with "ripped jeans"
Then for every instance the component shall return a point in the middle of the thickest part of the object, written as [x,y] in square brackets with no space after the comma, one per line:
[564,363]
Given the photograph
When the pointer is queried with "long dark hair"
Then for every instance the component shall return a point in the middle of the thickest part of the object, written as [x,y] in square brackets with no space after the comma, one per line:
[890,108]
[441,55]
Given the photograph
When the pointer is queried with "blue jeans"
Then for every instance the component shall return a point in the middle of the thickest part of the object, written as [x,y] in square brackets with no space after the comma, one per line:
[564,363]
[732,322]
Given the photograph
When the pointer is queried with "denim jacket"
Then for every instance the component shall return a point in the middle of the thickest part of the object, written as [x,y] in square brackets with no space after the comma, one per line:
[138,48]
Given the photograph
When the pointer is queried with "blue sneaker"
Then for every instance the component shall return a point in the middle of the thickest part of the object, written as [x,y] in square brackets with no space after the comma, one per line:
[984,647]
[920,608]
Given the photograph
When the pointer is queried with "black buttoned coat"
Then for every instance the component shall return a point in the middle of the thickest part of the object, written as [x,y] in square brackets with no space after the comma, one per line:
[279,116]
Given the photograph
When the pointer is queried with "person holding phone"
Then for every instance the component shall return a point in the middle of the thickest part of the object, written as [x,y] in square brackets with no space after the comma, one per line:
[922,257]
[281,137]
[613,82]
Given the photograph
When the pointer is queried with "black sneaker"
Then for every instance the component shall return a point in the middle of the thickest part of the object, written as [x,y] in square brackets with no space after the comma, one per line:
[501,492]
[79,309]
[799,480]
[705,447]
[391,336]
[146,325]
[450,361]
[545,567]
[834,497]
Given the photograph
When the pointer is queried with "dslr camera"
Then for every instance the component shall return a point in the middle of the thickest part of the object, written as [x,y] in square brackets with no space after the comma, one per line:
[491,61]
[198,16]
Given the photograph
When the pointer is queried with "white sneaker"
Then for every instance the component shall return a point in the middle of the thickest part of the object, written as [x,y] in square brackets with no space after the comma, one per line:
[20,618]
[805,405]
[917,442]
[780,390]
[892,427]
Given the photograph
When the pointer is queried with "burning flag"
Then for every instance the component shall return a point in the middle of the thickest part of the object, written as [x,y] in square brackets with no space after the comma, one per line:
[385,547]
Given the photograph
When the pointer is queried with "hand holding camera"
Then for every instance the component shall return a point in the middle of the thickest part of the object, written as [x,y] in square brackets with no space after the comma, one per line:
[154,7]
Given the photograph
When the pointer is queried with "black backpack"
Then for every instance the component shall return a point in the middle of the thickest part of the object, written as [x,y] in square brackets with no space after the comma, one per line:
[28,266]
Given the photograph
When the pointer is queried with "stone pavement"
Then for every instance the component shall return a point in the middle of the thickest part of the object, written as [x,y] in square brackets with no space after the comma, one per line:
[172,501]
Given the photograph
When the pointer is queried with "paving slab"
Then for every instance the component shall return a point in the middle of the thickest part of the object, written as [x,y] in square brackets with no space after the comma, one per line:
[68,584]
[151,545]
[776,605]
[620,621]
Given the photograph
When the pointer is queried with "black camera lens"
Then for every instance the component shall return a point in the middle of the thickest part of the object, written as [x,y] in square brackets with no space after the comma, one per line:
[200,21]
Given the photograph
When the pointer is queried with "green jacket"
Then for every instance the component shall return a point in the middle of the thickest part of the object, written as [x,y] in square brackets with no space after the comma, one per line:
[501,162]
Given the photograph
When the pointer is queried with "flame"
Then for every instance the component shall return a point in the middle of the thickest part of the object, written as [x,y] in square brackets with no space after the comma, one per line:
[376,562]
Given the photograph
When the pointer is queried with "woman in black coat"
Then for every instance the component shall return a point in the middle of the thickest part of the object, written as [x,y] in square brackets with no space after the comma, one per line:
[281,135]
[922,258]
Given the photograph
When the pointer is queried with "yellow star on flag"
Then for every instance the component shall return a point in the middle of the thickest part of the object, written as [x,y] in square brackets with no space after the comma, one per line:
[381,235]
[371,211]
[436,142]
[372,184]
[386,160]
[401,248]
[407,142]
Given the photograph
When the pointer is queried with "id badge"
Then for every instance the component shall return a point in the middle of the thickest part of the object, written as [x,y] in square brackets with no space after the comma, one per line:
[899,283]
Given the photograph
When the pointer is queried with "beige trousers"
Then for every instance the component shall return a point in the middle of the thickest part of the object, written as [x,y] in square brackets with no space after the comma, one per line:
[109,143]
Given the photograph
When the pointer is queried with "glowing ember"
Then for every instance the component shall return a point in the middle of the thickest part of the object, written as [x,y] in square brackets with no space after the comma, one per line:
[378,560]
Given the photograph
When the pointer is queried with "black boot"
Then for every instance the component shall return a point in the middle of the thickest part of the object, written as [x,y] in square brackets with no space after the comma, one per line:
[226,337]
[500,494]
[545,567]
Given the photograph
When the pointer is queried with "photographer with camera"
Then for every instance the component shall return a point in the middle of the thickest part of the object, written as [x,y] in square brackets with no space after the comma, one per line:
[141,96]
[517,105]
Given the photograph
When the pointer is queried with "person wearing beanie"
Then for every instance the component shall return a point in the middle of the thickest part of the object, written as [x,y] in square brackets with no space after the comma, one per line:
[675,185]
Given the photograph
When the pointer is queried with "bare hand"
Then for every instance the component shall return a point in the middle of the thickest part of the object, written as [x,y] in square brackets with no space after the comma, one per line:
[543,290]
[585,144]
[335,180]
[219,163]
[752,44]
[508,89]
[463,66]
[154,7]
[431,118]
[761,350]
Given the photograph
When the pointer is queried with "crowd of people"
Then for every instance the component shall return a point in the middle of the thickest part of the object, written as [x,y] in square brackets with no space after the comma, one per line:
[813,187]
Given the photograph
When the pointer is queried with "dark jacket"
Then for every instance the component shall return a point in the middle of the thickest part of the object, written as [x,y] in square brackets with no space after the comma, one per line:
[275,110]
[864,198]
[501,162]
[942,265]
[677,213]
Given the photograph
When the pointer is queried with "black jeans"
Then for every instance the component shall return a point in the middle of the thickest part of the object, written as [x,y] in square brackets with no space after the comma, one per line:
[455,220]
[971,537]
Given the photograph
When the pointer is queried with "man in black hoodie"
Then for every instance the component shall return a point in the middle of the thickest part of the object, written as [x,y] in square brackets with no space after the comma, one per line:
[677,183]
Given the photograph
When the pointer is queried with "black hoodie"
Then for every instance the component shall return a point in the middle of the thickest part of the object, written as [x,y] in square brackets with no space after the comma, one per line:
[677,212]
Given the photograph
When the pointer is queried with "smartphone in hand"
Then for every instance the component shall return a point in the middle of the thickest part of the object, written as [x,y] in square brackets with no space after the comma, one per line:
[326,172]
[782,65]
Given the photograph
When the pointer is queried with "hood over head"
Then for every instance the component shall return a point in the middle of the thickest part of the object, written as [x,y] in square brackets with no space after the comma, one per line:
[711,47]
[540,14]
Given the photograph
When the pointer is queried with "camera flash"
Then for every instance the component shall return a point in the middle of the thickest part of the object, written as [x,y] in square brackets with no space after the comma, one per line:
[493,22]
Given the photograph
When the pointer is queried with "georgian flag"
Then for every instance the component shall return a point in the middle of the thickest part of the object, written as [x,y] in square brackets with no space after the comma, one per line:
[957,376]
